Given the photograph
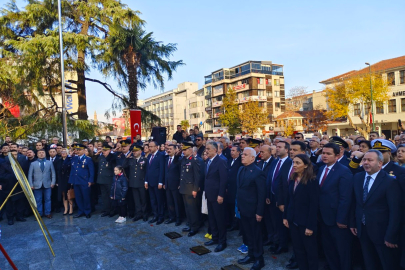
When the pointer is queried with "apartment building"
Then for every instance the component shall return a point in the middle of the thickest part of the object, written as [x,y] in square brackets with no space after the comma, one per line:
[260,81]
[176,105]
[387,114]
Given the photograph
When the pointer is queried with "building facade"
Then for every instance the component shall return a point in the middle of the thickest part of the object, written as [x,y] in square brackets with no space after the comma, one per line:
[260,81]
[387,114]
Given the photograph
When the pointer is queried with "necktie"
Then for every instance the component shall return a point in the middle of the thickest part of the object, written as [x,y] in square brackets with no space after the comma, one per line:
[150,161]
[365,193]
[324,176]
[170,162]
[208,165]
[291,172]
[42,165]
[273,184]
[233,160]
[264,165]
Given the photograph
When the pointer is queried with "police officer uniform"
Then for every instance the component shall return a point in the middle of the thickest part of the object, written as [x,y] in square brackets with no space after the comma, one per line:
[189,182]
[136,176]
[81,174]
[105,175]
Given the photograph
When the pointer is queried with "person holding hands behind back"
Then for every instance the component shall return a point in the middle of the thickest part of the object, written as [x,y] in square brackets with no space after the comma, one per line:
[300,214]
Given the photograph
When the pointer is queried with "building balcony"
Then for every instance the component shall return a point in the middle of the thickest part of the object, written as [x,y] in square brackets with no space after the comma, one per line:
[217,103]
[241,87]
[216,115]
[208,109]
[252,98]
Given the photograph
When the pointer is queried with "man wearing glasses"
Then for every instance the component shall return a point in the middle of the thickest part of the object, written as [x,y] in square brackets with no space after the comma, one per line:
[299,137]
[200,145]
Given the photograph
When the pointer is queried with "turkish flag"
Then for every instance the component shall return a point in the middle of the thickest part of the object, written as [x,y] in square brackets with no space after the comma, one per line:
[135,121]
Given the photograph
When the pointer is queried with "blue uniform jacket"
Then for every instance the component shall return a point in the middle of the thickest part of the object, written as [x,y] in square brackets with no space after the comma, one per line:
[82,171]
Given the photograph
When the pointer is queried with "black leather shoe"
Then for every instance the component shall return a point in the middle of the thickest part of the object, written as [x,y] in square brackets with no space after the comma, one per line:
[192,233]
[186,229]
[210,243]
[246,260]
[292,265]
[21,219]
[279,251]
[178,223]
[267,243]
[10,222]
[105,214]
[79,215]
[88,216]
[171,220]
[160,221]
[220,247]
[137,218]
[259,264]
[153,220]
[273,247]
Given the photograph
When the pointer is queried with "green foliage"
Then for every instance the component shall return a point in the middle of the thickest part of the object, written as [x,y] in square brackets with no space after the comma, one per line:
[184,124]
[231,115]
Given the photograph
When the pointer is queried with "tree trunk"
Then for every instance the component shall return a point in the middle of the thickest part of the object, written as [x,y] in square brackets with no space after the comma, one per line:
[81,83]
[132,61]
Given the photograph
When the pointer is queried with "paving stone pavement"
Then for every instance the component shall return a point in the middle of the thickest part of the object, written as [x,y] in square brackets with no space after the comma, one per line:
[100,243]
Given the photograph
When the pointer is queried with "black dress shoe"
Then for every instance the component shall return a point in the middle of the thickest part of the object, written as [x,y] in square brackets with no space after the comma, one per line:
[273,247]
[259,264]
[79,215]
[192,233]
[267,243]
[88,216]
[279,251]
[153,220]
[178,223]
[246,260]
[160,221]
[292,265]
[220,247]
[137,218]
[10,222]
[186,229]
[210,243]
[21,219]
[105,214]
[171,220]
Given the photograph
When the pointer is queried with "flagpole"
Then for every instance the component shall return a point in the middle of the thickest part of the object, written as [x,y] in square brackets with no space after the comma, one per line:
[62,68]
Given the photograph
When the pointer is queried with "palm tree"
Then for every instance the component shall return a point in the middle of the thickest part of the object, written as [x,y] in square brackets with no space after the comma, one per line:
[136,59]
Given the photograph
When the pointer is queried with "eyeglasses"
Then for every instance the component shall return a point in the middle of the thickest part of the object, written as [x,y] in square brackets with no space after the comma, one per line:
[198,140]
[297,138]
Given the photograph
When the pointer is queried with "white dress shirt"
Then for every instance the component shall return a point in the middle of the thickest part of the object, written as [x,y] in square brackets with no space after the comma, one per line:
[329,169]
[373,177]
[282,162]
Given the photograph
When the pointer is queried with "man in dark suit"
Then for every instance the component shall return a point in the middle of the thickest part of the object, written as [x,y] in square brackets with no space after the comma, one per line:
[264,164]
[154,182]
[277,178]
[314,148]
[189,186]
[53,156]
[251,196]
[199,142]
[105,175]
[336,186]
[341,158]
[227,151]
[137,166]
[220,149]
[233,167]
[215,187]
[377,213]
[172,183]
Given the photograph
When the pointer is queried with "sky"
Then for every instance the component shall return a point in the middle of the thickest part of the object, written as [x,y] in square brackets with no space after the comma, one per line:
[314,40]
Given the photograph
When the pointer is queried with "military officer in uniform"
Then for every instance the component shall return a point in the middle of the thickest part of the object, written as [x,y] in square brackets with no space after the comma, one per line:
[82,177]
[189,185]
[105,172]
[137,166]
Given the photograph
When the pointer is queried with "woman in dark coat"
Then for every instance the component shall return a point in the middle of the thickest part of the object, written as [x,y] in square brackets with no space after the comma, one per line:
[300,214]
[63,179]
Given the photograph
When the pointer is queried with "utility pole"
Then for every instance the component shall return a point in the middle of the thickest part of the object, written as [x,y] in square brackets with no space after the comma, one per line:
[62,68]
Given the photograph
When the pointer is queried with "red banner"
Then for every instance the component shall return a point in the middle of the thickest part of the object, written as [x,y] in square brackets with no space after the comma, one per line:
[135,121]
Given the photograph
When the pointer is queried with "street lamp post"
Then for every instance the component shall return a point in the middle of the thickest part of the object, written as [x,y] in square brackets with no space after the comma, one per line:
[371,91]
[62,69]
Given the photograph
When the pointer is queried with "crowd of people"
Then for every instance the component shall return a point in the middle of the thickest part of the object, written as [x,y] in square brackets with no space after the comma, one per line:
[335,198]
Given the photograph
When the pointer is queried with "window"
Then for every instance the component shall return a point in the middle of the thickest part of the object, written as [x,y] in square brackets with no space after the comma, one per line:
[269,93]
[276,82]
[402,104]
[260,93]
[391,78]
[278,106]
[268,81]
[379,107]
[246,81]
[392,106]
[402,76]
[276,93]
[356,109]
[261,104]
